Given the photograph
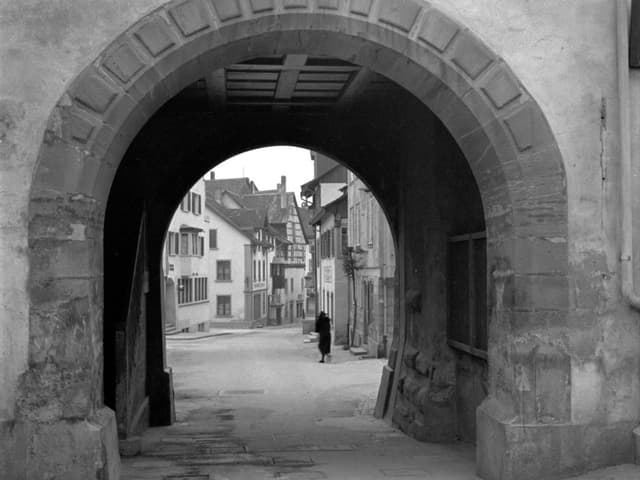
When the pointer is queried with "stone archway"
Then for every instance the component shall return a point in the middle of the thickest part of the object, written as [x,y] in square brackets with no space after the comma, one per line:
[498,126]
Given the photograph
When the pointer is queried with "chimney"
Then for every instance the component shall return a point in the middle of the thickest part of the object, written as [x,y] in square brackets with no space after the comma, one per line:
[283,191]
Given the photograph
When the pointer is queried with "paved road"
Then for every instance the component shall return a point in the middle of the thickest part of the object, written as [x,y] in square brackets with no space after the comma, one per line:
[256,405]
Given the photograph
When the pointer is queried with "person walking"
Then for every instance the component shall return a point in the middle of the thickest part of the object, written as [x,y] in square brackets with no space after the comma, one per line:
[323,327]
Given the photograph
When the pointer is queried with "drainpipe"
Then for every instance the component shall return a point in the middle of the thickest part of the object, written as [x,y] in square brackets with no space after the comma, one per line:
[626,174]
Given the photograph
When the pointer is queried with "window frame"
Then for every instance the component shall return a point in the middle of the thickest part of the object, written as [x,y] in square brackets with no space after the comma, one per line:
[225,304]
[219,277]
[470,348]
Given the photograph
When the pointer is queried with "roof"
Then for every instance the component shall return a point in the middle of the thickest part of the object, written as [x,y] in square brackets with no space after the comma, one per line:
[240,186]
[270,204]
[333,175]
[329,208]
[246,218]
[223,213]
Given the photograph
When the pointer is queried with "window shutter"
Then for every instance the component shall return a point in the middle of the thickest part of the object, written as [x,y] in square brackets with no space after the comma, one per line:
[213,239]
[201,252]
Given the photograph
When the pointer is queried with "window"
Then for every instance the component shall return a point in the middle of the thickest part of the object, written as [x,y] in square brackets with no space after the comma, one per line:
[291,282]
[467,292]
[213,239]
[184,244]
[195,244]
[223,305]
[196,203]
[185,205]
[173,246]
[192,289]
[223,270]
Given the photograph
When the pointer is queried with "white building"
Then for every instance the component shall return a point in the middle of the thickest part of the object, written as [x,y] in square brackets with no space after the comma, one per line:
[372,312]
[186,265]
[240,257]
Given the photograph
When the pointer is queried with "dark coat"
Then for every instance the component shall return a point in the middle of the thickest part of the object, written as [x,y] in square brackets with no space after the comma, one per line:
[323,327]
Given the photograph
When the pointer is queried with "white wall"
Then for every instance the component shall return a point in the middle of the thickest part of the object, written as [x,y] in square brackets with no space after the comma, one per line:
[231,246]
[189,315]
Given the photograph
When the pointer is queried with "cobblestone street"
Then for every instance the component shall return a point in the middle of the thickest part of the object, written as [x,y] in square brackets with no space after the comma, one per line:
[257,405]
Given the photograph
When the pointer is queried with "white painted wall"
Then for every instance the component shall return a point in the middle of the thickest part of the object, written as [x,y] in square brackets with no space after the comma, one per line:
[231,246]
[189,315]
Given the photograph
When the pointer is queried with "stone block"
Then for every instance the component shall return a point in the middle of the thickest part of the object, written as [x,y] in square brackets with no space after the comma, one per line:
[259,6]
[227,9]
[155,35]
[60,167]
[63,259]
[191,17]
[401,14]
[328,4]
[94,92]
[501,87]
[411,388]
[410,354]
[509,450]
[423,364]
[123,62]
[361,7]
[471,55]
[540,255]
[524,321]
[552,384]
[544,292]
[435,424]
[295,4]
[75,449]
[438,30]
[130,447]
[13,449]
[78,127]
[522,125]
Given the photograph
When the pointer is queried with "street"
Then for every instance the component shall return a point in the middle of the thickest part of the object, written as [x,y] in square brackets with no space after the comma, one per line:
[256,404]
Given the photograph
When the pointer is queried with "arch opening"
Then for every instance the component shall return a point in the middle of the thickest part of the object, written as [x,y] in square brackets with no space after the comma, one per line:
[476,113]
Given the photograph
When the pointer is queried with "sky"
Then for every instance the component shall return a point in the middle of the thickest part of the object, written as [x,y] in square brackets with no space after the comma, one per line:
[265,166]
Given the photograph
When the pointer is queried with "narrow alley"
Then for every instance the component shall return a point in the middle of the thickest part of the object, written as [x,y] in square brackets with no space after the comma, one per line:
[256,404]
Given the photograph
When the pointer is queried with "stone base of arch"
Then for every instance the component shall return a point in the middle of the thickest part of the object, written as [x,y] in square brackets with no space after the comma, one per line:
[71,449]
[509,450]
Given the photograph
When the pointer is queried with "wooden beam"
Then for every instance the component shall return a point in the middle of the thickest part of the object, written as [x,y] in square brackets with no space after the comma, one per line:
[216,89]
[249,67]
[357,83]
[289,76]
[634,35]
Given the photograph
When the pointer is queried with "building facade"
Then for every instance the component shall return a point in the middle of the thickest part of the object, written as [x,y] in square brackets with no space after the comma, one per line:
[275,281]
[239,253]
[333,281]
[372,248]
[186,265]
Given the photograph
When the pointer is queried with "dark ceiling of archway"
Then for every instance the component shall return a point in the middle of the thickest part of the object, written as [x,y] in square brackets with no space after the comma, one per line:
[297,82]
